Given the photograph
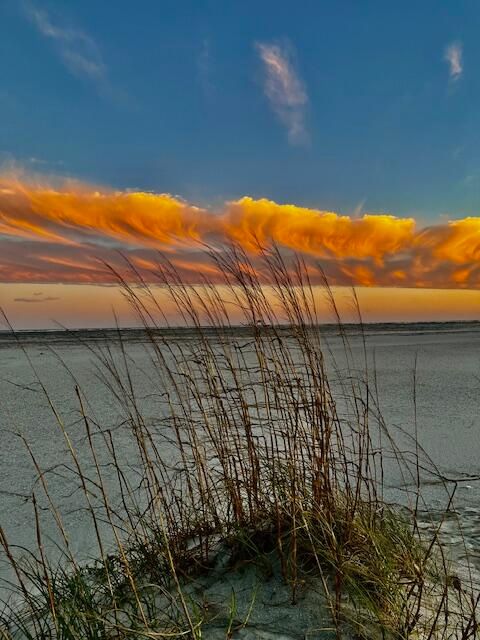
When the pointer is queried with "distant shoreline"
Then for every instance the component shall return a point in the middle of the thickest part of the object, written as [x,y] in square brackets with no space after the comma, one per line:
[32,337]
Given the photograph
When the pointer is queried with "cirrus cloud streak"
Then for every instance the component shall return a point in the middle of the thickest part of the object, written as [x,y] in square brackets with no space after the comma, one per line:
[284,89]
[453,56]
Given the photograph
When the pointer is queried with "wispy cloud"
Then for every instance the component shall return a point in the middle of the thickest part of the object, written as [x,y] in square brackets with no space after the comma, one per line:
[454,57]
[37,298]
[357,212]
[78,51]
[284,89]
[204,71]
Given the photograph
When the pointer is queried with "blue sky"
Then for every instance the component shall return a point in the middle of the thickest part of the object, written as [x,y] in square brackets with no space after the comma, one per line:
[174,97]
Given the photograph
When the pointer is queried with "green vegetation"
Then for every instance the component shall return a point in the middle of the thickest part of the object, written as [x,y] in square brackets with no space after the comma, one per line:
[261,475]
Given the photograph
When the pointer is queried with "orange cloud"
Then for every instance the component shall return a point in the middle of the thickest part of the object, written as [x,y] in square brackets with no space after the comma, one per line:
[457,242]
[77,211]
[67,231]
[319,233]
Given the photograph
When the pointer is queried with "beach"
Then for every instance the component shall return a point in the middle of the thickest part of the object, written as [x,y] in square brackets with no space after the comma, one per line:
[423,380]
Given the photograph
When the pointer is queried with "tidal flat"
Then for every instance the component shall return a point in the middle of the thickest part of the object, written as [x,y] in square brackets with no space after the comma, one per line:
[422,380]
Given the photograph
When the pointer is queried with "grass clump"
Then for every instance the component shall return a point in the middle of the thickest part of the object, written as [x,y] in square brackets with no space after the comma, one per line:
[255,465]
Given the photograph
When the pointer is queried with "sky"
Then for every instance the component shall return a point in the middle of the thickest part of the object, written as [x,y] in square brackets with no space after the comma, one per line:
[345,131]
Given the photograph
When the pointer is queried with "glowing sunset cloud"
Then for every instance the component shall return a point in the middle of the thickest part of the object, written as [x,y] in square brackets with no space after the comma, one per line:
[319,233]
[66,232]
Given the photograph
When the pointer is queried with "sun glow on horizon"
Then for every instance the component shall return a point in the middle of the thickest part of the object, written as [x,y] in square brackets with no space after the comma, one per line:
[96,306]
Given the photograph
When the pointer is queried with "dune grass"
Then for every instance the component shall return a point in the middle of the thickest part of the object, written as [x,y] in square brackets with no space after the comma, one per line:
[257,462]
